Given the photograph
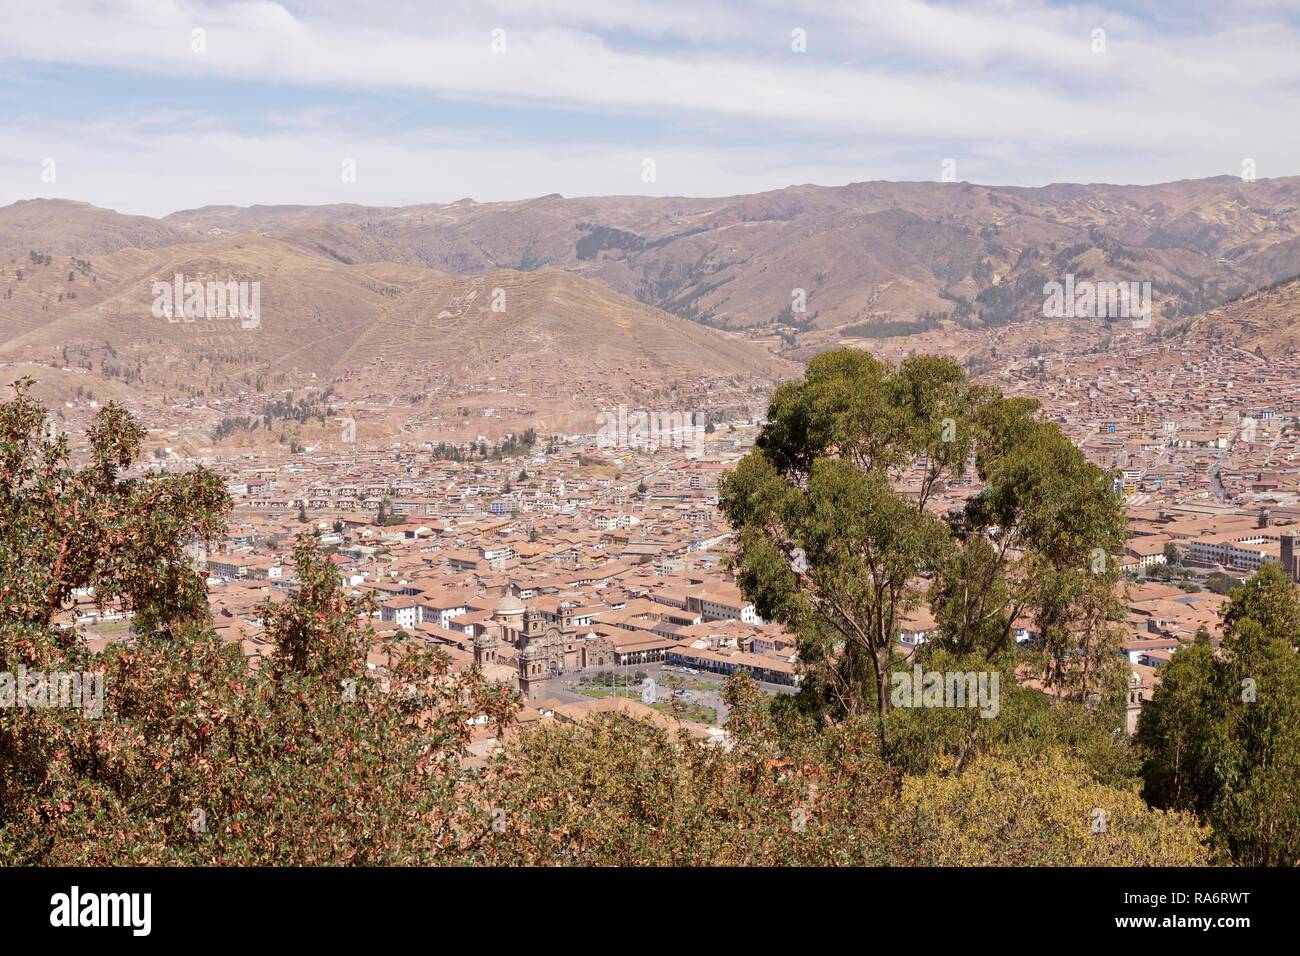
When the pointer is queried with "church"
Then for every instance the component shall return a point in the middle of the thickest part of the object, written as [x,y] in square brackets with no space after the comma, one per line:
[537,646]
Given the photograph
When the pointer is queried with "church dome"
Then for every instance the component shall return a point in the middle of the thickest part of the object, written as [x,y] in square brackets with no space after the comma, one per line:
[508,605]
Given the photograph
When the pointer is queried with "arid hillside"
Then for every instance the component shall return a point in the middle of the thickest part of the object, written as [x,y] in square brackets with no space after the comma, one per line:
[863,253]
[62,227]
[537,311]
[1266,321]
[543,348]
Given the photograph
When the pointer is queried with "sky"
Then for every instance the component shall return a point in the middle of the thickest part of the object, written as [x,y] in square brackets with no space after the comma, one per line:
[154,106]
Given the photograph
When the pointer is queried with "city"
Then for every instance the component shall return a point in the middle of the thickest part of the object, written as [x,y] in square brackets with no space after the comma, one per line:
[473,443]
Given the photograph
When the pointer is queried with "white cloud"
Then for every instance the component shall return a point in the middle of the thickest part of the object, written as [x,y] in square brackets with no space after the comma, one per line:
[1011,89]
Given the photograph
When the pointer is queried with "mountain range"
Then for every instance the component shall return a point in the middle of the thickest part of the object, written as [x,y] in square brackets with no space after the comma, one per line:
[863,252]
[632,296]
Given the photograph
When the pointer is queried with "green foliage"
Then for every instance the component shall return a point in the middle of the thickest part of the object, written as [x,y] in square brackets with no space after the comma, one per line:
[1269,599]
[1028,722]
[510,447]
[836,536]
[310,757]
[1222,735]
[1222,583]
[316,632]
[617,791]
[65,528]
[1042,810]
[199,757]
[888,328]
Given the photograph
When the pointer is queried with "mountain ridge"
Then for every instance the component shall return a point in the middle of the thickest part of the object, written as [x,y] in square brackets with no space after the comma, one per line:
[865,252]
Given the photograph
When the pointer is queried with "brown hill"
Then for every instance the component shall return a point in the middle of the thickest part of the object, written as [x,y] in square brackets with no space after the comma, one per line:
[870,257]
[1266,322]
[867,252]
[63,227]
[319,312]
[547,345]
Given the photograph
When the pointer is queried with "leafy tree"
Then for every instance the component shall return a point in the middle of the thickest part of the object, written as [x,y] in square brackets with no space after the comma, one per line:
[837,535]
[198,757]
[1222,733]
[1269,599]
[1028,722]
[316,632]
[67,528]
[1222,583]
[1041,810]
[619,791]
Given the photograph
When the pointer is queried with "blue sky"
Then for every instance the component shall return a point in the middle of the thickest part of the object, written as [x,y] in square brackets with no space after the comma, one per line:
[120,104]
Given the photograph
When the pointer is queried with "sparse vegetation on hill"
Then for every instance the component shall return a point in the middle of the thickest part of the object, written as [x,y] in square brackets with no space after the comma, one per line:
[286,409]
[902,249]
[1265,321]
[367,323]
[599,238]
[511,446]
[888,328]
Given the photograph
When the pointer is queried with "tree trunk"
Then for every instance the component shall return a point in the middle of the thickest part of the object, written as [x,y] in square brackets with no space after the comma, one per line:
[880,661]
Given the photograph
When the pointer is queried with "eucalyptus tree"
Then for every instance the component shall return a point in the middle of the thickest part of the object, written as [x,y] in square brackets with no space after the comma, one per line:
[841,531]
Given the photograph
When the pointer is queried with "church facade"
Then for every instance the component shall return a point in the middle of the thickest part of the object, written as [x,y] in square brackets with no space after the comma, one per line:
[538,649]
